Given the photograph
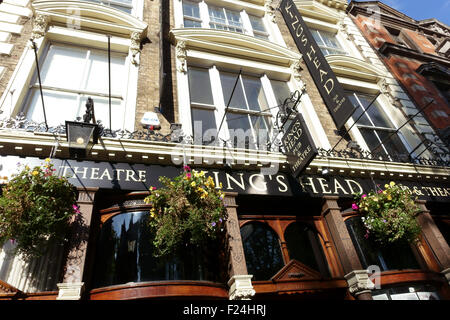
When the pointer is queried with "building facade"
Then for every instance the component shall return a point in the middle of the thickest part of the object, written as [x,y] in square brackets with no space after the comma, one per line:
[222,77]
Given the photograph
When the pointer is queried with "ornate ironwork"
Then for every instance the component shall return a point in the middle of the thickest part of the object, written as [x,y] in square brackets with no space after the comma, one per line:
[20,122]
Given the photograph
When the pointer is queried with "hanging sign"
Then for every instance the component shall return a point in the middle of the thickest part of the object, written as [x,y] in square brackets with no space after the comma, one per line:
[298,146]
[329,87]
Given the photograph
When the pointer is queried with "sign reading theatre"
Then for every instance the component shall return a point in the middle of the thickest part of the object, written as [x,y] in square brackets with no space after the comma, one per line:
[330,89]
[299,146]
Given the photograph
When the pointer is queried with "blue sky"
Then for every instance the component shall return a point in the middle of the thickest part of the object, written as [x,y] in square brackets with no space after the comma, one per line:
[422,9]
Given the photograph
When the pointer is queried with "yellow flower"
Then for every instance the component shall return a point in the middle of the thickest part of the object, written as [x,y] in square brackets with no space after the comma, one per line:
[392,183]
[27,167]
[389,197]
[35,173]
[48,160]
[386,186]
[193,184]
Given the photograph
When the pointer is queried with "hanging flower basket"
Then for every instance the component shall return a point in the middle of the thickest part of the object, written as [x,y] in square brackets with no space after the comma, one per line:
[35,209]
[187,212]
[389,215]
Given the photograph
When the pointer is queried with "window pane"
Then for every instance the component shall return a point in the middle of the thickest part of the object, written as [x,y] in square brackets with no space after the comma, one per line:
[375,112]
[97,73]
[203,121]
[216,15]
[125,254]
[262,251]
[240,131]
[255,95]
[191,9]
[200,86]
[281,91]
[304,246]
[364,120]
[192,24]
[257,23]
[392,143]
[372,141]
[228,81]
[70,59]
[389,257]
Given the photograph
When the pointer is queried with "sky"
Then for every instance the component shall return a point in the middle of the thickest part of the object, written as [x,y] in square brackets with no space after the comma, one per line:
[422,9]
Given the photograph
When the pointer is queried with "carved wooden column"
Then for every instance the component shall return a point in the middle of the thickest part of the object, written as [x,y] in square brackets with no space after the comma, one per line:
[73,285]
[240,281]
[435,239]
[358,280]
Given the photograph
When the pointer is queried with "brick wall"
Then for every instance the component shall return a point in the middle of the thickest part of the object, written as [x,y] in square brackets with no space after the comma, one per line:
[420,89]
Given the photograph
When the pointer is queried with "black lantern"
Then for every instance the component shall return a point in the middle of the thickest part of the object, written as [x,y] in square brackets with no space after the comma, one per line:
[82,135]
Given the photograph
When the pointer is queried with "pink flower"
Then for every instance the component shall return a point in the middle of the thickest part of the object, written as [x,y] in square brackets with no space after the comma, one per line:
[76,208]
[380,191]
[188,175]
[355,206]
[364,196]
[187,168]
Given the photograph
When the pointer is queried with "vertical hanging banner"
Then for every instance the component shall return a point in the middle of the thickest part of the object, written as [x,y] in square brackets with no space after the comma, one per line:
[330,89]
[298,146]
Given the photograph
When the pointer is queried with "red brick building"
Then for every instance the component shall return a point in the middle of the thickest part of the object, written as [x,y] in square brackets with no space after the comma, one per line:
[417,54]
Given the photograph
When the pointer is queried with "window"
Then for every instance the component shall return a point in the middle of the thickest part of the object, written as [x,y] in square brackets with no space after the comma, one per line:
[412,292]
[394,257]
[377,130]
[327,42]
[248,119]
[125,254]
[191,15]
[85,75]
[124,5]
[262,250]
[303,245]
[198,14]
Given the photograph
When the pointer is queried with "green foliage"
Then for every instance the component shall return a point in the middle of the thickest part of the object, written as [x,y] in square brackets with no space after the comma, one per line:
[389,215]
[35,208]
[187,211]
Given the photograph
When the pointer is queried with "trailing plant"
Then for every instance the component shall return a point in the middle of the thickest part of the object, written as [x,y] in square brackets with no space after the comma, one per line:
[389,215]
[35,209]
[188,211]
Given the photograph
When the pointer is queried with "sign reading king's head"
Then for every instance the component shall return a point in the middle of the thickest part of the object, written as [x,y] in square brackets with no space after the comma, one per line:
[330,89]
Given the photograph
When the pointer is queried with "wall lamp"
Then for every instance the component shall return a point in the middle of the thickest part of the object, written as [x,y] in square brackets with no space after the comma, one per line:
[82,135]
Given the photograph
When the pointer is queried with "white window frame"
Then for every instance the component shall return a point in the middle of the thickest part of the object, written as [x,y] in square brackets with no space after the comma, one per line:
[244,15]
[34,85]
[340,50]
[15,95]
[136,6]
[356,127]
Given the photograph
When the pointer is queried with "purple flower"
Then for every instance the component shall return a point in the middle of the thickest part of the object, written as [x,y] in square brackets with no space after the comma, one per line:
[220,220]
[384,220]
[355,206]
[213,224]
[13,241]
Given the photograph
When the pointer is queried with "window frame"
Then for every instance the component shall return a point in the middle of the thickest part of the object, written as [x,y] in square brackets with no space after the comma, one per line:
[321,33]
[246,25]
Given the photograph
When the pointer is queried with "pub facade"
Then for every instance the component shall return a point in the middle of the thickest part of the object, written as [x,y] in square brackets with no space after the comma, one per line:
[231,88]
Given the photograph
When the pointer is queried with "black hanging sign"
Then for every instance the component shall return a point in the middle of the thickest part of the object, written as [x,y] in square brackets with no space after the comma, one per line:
[298,146]
[329,87]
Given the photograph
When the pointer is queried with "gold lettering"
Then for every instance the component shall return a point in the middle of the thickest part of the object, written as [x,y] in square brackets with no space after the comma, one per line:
[261,177]
[94,173]
[337,185]
[349,184]
[304,40]
[282,183]
[309,53]
[106,173]
[311,184]
[142,177]
[130,175]
[84,171]
[316,62]
[323,186]
[287,8]
[118,172]
[329,81]
[241,184]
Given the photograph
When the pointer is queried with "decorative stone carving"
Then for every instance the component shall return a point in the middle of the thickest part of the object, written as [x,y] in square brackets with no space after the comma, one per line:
[241,287]
[296,68]
[359,282]
[70,291]
[181,54]
[135,47]
[269,8]
[40,25]
[388,92]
